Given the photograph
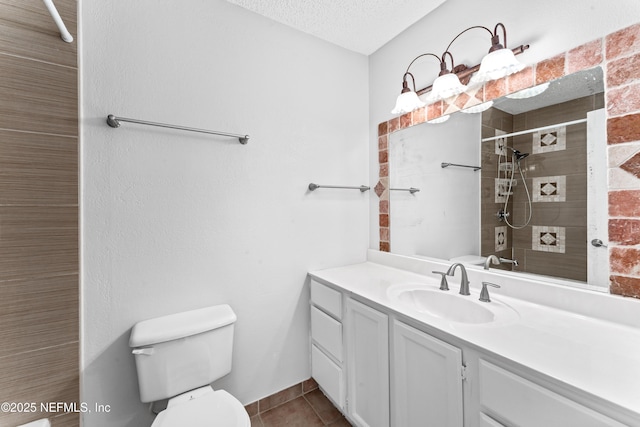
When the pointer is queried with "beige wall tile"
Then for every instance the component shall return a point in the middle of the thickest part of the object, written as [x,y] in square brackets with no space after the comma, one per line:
[569,265]
[38,97]
[46,375]
[38,210]
[38,241]
[37,313]
[38,169]
[27,29]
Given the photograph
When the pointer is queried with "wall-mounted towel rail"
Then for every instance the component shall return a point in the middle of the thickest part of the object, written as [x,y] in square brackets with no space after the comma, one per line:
[114,122]
[64,33]
[410,190]
[446,165]
[362,188]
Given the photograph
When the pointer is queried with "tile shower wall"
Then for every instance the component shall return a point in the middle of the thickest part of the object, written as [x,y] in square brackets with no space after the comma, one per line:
[555,241]
[38,211]
[496,237]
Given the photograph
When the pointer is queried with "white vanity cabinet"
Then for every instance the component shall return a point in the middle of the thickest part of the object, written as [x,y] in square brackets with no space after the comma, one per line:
[380,377]
[385,362]
[508,399]
[367,339]
[426,376]
[327,342]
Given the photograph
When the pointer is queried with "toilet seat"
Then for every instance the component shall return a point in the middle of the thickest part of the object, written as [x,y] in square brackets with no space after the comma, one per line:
[203,407]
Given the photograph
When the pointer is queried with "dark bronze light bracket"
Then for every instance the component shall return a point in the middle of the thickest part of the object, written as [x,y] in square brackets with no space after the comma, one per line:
[464,73]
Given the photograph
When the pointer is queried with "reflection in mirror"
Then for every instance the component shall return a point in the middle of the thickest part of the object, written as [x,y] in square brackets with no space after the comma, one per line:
[539,199]
[443,219]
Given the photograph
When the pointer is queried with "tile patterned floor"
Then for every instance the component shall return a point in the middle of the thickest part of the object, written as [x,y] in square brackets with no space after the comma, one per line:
[308,410]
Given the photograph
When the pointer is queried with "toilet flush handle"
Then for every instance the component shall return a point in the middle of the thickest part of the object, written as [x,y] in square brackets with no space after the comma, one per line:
[147,351]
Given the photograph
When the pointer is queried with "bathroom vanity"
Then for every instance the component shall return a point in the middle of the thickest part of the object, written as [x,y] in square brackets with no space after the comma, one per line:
[390,348]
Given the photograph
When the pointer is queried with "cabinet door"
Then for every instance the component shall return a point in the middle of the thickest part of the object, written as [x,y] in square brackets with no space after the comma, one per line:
[427,380]
[367,365]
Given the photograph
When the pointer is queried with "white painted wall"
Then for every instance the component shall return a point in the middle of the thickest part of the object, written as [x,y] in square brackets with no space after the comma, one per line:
[437,221]
[550,27]
[173,221]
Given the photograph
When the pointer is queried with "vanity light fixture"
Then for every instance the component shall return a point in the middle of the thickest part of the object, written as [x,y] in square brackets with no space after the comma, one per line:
[446,85]
[408,99]
[498,63]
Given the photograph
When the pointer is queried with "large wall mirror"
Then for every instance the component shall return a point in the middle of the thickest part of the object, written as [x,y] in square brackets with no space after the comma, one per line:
[527,181]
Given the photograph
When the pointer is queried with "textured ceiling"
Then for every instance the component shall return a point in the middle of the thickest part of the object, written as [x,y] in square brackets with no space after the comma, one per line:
[359,25]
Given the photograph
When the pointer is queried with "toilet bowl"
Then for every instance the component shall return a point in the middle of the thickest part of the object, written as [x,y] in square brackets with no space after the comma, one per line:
[203,407]
[177,358]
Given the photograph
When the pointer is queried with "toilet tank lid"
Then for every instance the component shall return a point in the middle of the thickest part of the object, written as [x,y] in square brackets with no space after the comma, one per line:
[180,325]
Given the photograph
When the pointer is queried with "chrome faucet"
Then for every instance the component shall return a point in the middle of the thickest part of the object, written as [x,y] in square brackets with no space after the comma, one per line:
[509,261]
[464,281]
[491,259]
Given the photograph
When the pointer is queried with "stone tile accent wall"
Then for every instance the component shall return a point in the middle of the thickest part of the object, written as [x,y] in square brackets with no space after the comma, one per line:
[622,61]
[619,54]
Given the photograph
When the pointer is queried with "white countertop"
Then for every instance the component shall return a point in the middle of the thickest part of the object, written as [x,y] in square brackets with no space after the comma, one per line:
[601,357]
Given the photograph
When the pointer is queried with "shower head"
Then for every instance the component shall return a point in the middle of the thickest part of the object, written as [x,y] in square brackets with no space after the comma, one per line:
[517,154]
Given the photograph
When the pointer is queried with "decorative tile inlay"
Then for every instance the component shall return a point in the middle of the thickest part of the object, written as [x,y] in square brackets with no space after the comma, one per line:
[632,165]
[548,239]
[550,189]
[619,154]
[501,238]
[502,189]
[379,189]
[548,140]
[470,98]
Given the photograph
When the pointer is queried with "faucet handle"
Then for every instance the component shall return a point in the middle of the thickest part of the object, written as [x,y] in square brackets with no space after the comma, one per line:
[484,293]
[444,286]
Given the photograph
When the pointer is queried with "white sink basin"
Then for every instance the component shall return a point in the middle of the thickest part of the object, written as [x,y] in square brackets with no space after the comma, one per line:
[450,305]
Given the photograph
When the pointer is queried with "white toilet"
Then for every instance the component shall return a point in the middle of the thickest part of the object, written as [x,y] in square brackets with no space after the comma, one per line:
[178,357]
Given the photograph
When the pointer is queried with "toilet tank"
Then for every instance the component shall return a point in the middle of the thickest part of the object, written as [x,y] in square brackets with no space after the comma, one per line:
[183,351]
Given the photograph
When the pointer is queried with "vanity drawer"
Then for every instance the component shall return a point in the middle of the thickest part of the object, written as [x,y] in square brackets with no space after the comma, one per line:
[327,333]
[328,375]
[517,401]
[326,298]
